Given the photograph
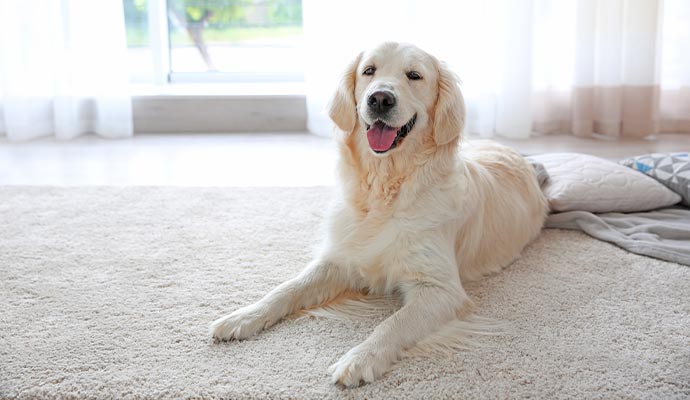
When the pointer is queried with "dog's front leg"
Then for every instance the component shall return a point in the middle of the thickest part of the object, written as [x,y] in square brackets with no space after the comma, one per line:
[319,282]
[428,305]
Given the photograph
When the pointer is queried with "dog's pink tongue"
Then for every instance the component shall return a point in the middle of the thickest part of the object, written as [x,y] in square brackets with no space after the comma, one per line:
[381,137]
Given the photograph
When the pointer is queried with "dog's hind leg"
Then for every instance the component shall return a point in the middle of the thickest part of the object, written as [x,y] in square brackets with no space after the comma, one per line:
[319,282]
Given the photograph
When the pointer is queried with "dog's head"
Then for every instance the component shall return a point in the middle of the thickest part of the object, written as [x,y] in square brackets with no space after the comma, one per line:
[394,95]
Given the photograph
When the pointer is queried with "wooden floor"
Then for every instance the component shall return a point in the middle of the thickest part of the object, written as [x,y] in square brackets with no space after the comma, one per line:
[278,159]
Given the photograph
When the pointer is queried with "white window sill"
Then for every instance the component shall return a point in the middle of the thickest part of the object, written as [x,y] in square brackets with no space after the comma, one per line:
[224,107]
[250,89]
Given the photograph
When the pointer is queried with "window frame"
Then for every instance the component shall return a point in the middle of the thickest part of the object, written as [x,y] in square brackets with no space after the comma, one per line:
[159,40]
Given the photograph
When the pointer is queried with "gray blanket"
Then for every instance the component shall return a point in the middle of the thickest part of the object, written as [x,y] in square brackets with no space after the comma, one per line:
[663,233]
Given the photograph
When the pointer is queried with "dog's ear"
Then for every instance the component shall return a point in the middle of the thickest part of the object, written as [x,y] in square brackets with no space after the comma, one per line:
[342,108]
[449,114]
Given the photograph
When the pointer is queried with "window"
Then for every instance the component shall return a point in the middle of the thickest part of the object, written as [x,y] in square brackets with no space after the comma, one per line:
[214,40]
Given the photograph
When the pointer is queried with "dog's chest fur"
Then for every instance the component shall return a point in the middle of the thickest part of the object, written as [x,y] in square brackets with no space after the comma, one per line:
[376,245]
[380,240]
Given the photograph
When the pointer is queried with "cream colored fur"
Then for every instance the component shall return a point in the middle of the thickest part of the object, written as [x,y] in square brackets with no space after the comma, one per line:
[418,220]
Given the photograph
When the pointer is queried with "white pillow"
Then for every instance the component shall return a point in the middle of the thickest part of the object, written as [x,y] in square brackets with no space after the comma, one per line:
[587,183]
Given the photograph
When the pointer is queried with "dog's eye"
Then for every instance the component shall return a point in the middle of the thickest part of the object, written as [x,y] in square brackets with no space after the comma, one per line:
[369,71]
[414,76]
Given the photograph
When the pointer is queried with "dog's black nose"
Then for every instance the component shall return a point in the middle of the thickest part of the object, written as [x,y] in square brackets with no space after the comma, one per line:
[381,101]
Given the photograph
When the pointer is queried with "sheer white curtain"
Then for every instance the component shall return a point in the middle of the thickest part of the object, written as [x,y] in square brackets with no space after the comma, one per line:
[586,67]
[63,69]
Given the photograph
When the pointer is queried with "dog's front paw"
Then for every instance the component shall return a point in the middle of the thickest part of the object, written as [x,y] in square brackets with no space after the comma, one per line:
[239,325]
[361,365]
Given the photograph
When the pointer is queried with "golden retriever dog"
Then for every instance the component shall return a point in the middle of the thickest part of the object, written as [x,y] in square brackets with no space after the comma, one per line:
[417,217]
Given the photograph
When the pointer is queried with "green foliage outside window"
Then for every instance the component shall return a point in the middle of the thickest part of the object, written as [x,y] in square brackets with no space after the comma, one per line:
[220,21]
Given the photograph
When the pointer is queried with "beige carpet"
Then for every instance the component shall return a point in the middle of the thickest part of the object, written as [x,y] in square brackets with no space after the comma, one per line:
[108,292]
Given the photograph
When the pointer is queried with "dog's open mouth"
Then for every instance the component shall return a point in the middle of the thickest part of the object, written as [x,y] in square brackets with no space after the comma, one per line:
[383,137]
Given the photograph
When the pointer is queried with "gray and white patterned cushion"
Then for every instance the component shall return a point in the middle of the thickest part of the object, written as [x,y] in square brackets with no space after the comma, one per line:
[671,169]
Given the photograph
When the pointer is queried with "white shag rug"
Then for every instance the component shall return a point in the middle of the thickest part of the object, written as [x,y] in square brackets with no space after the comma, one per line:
[108,293]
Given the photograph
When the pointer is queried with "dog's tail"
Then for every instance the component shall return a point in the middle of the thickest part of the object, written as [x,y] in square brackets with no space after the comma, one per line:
[461,333]
[352,305]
